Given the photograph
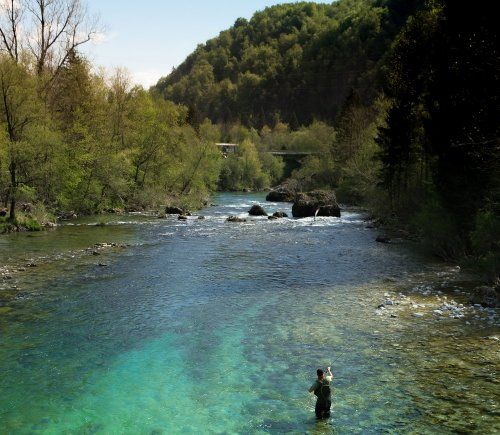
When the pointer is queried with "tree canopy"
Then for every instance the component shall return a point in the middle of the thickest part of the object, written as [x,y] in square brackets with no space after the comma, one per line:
[292,63]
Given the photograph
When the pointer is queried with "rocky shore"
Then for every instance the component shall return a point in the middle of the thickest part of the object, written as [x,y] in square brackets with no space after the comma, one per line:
[443,300]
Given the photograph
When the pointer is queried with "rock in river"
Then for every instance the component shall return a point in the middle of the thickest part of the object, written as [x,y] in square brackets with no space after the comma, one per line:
[280,214]
[317,202]
[235,219]
[283,193]
[257,210]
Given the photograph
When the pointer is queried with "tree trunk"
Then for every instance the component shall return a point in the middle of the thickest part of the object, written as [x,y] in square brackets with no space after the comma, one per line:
[12,192]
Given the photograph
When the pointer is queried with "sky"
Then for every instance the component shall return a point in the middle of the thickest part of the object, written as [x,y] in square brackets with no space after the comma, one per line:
[150,37]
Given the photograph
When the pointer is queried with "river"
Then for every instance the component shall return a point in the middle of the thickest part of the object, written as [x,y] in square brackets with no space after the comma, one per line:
[133,324]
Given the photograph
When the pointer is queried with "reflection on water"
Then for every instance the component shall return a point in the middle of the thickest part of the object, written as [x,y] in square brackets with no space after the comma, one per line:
[210,326]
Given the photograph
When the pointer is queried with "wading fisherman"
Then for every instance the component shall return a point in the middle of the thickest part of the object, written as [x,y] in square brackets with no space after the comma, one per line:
[322,391]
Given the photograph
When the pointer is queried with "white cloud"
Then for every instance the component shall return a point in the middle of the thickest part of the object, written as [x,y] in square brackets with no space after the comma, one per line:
[99,38]
[147,78]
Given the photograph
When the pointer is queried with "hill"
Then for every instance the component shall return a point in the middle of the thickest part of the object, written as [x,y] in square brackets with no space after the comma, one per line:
[292,63]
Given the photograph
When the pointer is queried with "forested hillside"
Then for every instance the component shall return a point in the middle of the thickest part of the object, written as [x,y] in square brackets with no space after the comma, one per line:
[293,63]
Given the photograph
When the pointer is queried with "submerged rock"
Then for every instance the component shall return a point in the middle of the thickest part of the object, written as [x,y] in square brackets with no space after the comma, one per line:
[257,210]
[315,203]
[182,217]
[201,217]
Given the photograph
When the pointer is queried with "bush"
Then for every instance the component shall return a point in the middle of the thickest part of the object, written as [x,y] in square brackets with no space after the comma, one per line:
[31,225]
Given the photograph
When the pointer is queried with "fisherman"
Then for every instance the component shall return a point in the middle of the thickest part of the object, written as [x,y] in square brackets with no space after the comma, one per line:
[322,391]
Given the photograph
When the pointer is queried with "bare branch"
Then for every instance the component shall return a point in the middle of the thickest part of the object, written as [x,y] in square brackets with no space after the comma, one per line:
[11,15]
[52,30]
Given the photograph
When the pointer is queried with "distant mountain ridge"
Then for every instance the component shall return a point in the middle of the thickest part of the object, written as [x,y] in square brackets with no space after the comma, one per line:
[291,62]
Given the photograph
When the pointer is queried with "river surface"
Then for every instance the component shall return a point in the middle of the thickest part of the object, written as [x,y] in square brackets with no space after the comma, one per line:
[133,324]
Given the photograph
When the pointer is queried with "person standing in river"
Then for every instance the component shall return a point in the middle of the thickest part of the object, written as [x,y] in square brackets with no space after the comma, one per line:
[322,391]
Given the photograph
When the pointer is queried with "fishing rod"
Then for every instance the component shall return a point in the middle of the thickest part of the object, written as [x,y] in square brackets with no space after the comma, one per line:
[342,354]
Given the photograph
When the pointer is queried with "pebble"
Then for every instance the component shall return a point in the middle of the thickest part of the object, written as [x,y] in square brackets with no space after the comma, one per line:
[417,314]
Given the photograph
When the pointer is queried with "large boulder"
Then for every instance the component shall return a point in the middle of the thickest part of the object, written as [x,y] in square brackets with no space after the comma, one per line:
[485,296]
[283,193]
[257,210]
[315,203]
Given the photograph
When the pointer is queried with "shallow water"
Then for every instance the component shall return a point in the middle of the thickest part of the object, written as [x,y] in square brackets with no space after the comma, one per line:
[207,326]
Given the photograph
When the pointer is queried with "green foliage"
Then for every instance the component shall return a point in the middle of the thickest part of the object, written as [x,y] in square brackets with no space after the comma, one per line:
[89,144]
[272,166]
[243,169]
[291,62]
[32,225]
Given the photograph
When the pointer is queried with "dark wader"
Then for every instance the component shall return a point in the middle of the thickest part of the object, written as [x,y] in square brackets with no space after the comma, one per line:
[323,402]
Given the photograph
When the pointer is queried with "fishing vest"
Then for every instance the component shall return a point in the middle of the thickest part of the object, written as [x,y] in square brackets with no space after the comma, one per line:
[323,391]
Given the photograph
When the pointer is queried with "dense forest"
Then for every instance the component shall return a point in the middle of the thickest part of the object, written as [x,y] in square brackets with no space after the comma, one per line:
[294,63]
[396,100]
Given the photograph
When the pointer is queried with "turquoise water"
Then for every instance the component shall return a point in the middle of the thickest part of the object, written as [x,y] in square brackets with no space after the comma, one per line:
[207,326]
